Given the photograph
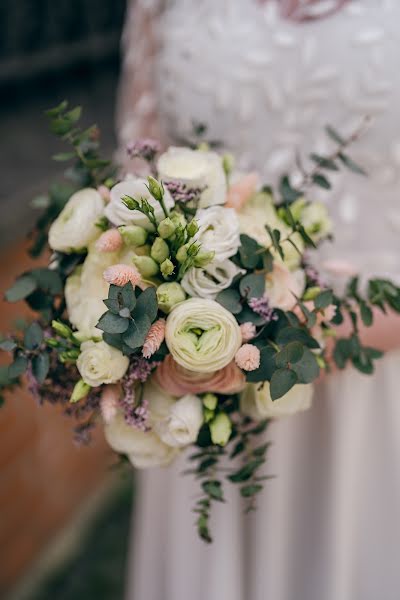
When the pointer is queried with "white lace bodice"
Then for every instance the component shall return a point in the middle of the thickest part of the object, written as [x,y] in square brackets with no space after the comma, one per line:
[265,87]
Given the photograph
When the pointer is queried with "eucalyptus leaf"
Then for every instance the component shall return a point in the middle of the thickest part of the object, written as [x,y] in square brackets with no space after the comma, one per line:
[230,299]
[40,366]
[290,354]
[281,382]
[146,304]
[307,368]
[22,288]
[252,285]
[266,368]
[33,336]
[18,367]
[111,323]
[249,252]
[296,334]
[136,333]
[323,300]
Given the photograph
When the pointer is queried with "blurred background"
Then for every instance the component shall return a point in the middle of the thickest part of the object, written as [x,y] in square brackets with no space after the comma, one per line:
[64,510]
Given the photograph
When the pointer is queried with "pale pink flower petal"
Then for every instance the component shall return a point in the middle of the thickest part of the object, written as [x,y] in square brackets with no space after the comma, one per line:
[240,192]
[109,402]
[109,241]
[248,331]
[248,357]
[104,192]
[121,274]
[154,338]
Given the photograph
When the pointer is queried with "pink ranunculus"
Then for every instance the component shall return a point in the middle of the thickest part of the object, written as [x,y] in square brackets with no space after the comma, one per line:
[240,192]
[283,287]
[178,381]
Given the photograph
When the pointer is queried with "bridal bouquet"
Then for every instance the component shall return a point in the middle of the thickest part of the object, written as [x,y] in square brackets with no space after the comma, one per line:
[180,308]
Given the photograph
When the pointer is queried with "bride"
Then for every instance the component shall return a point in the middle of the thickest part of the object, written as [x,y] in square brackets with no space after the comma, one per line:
[265,76]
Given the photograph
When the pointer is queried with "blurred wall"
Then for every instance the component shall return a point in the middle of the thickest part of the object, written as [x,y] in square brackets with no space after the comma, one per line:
[48,51]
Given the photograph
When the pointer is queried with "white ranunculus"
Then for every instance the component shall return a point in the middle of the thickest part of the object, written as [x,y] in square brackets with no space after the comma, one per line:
[100,363]
[256,401]
[218,231]
[119,214]
[201,335]
[144,449]
[182,424]
[196,169]
[316,221]
[212,279]
[282,286]
[75,227]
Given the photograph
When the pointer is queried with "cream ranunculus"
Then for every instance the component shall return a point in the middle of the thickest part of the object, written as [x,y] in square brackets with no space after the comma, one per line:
[144,449]
[212,279]
[196,169]
[119,214]
[282,286]
[201,335]
[100,363]
[182,424]
[256,401]
[218,231]
[75,227]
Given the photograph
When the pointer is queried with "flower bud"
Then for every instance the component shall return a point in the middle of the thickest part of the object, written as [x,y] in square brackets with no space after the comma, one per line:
[210,401]
[228,163]
[130,203]
[182,254]
[192,228]
[62,329]
[167,268]
[80,391]
[220,429]
[155,188]
[178,219]
[133,235]
[193,250]
[204,258]
[311,293]
[159,250]
[169,294]
[208,415]
[166,228]
[146,265]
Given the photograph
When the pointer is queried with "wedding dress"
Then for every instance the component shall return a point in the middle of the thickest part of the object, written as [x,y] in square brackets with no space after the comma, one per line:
[328,526]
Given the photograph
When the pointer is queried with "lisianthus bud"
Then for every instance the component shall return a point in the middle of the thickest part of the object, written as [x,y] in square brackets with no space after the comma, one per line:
[133,235]
[228,163]
[80,391]
[167,267]
[62,329]
[182,254]
[146,265]
[169,294]
[192,228]
[177,218]
[130,202]
[208,415]
[210,401]
[203,258]
[220,429]
[166,228]
[155,188]
[159,250]
[311,293]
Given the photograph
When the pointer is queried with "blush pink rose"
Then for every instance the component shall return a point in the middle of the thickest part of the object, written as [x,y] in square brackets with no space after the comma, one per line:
[240,192]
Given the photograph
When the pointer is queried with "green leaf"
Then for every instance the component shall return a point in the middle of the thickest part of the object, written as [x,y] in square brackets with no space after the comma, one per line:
[281,382]
[246,472]
[248,252]
[366,314]
[266,368]
[48,280]
[111,323]
[296,334]
[335,136]
[324,163]
[252,285]
[323,299]
[351,165]
[63,156]
[128,296]
[321,181]
[214,489]
[40,366]
[22,288]
[136,333]
[307,368]
[7,345]
[33,336]
[275,236]
[290,354]
[250,490]
[249,315]
[289,194]
[18,367]
[230,299]
[146,304]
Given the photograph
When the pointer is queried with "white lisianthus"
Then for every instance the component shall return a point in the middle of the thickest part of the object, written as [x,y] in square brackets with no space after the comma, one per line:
[212,279]
[182,424]
[144,449]
[100,363]
[119,214]
[218,231]
[196,169]
[282,286]
[201,335]
[256,401]
[75,227]
[316,221]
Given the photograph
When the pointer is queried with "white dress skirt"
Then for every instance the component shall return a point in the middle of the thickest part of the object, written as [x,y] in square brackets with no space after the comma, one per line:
[328,526]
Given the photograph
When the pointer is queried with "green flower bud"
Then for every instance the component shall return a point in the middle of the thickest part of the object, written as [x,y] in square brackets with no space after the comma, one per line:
[210,401]
[130,203]
[159,250]
[220,429]
[80,391]
[133,235]
[208,415]
[192,228]
[167,268]
[178,219]
[62,329]
[228,163]
[52,342]
[296,208]
[166,228]
[203,147]
[146,265]
[193,250]
[182,254]
[311,293]
[203,258]
[169,294]
[155,188]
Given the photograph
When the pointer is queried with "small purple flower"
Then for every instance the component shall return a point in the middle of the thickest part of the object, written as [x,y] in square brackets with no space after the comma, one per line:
[137,416]
[180,192]
[314,276]
[145,148]
[261,307]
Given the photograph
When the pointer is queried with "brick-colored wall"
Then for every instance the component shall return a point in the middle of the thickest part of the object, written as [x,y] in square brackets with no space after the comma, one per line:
[43,475]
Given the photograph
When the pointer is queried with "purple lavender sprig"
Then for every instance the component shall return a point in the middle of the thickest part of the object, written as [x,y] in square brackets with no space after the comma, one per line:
[262,307]
[181,192]
[145,148]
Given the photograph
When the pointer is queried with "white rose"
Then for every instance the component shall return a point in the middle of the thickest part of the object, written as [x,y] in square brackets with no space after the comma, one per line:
[182,424]
[195,168]
[119,214]
[144,449]
[218,231]
[316,221]
[256,401]
[201,335]
[100,363]
[75,227]
[210,280]
[282,286]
